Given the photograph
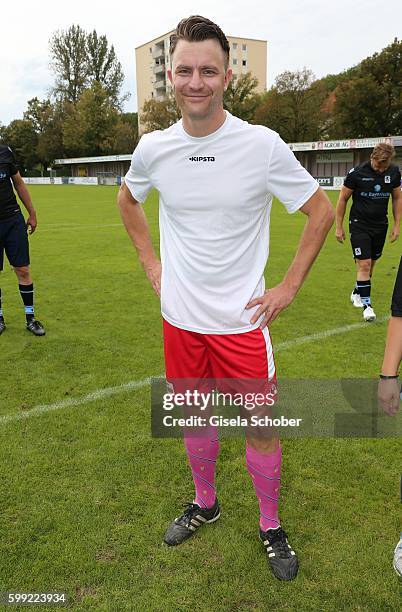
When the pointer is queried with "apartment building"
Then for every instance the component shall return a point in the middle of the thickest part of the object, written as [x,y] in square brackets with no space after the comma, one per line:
[152,61]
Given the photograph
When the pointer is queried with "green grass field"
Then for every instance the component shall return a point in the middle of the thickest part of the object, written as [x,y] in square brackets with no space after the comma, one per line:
[86,493]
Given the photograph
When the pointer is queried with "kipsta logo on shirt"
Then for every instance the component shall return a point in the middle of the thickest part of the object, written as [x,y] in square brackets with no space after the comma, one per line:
[387,179]
[377,188]
[201,158]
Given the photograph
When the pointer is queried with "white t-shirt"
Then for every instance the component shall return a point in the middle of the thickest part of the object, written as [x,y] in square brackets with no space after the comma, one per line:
[215,196]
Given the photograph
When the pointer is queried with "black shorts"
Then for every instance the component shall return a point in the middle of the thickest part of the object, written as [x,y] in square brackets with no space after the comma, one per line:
[367,242]
[14,241]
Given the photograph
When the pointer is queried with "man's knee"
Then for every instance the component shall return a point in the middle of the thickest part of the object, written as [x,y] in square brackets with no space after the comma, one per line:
[23,273]
[263,444]
[364,265]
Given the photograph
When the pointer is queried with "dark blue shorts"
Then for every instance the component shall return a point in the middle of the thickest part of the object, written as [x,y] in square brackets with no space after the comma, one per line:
[367,242]
[14,241]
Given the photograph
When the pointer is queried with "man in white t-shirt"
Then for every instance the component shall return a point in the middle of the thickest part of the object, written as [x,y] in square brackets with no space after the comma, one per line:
[216,176]
[389,389]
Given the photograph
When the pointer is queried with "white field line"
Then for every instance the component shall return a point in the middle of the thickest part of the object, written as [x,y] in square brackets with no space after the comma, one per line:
[138,384]
[282,346]
[56,227]
[133,385]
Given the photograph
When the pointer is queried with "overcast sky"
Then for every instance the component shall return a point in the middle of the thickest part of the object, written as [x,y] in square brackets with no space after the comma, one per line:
[324,35]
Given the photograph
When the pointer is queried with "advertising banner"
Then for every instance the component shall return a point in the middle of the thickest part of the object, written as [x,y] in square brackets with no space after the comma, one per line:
[325,181]
[42,180]
[82,180]
[330,182]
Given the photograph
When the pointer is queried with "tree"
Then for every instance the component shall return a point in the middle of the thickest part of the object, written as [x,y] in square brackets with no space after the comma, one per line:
[20,135]
[130,118]
[104,67]
[240,99]
[359,109]
[159,114]
[370,102]
[300,103]
[78,59]
[294,106]
[331,81]
[39,113]
[271,112]
[68,50]
[47,119]
[90,127]
[50,141]
[126,133]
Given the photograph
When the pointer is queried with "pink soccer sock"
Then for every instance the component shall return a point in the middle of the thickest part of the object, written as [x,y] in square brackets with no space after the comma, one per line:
[265,471]
[202,453]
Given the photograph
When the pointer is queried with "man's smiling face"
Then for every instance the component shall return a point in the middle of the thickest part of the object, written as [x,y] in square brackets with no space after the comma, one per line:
[199,78]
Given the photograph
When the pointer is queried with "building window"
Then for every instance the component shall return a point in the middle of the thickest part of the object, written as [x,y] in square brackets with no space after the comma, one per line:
[244,47]
[234,46]
[244,62]
[150,49]
[234,61]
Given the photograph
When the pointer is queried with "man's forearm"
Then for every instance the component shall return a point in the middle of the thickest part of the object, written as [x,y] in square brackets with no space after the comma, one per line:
[340,212]
[25,198]
[135,222]
[393,347]
[316,229]
[397,209]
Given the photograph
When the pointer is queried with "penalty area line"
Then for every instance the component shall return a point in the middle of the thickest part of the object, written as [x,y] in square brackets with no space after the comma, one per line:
[133,385]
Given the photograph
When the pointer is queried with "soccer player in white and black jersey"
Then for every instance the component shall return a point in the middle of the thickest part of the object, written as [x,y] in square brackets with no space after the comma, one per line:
[370,185]
[216,176]
[14,237]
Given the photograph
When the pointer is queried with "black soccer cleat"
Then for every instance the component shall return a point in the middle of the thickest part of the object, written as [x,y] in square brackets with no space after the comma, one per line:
[36,327]
[2,325]
[282,559]
[184,526]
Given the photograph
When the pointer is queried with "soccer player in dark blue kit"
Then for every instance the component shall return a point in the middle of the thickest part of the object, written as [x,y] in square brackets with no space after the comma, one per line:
[14,235]
[371,184]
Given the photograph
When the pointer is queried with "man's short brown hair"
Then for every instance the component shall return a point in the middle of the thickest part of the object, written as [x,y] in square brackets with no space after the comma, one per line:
[196,29]
[383,151]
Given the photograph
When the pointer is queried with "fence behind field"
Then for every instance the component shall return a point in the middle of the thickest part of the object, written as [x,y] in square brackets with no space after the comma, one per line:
[72,180]
[327,182]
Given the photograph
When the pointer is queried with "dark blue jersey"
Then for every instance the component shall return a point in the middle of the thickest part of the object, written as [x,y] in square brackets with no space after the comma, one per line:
[371,191]
[8,167]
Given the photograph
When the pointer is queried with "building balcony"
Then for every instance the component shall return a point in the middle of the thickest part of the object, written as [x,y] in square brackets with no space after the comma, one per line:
[159,69]
[160,84]
[158,52]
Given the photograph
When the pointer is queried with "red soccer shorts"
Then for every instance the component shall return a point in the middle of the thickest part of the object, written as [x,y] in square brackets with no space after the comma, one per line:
[192,355]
